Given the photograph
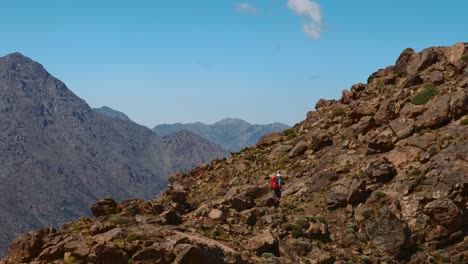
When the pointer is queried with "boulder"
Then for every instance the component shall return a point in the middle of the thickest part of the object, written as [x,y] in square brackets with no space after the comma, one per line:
[298,149]
[358,87]
[385,113]
[380,171]
[216,214]
[283,148]
[405,58]
[365,124]
[435,77]
[458,104]
[436,113]
[445,213]
[240,202]
[412,81]
[104,207]
[346,97]
[171,217]
[107,253]
[318,139]
[28,246]
[346,191]
[321,103]
[362,109]
[403,128]
[410,110]
[383,227]
[270,139]
[381,141]
[264,242]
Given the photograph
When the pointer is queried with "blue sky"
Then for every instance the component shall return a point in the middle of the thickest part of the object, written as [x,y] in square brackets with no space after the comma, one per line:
[185,61]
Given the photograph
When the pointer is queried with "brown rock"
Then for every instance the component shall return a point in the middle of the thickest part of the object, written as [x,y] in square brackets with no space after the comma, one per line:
[270,139]
[298,149]
[362,109]
[346,97]
[358,87]
[436,77]
[410,110]
[445,213]
[436,113]
[264,242]
[345,191]
[321,103]
[458,104]
[104,207]
[240,202]
[402,127]
[28,246]
[412,81]
[382,142]
[283,148]
[171,217]
[318,139]
[380,171]
[385,113]
[107,253]
[405,58]
[382,226]
[216,214]
[365,124]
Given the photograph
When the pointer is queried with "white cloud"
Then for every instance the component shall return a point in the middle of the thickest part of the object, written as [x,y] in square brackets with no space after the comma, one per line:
[309,9]
[246,7]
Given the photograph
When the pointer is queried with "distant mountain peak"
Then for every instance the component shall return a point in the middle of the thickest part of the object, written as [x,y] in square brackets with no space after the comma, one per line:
[109,112]
[232,121]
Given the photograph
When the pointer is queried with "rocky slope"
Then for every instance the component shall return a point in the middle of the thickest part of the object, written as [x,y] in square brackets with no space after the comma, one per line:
[185,150]
[232,134]
[107,111]
[379,176]
[58,156]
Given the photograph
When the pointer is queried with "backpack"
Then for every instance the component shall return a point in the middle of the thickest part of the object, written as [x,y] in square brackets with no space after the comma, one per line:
[273,183]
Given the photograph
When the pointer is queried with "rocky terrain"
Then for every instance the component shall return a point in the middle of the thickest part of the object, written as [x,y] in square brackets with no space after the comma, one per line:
[58,156]
[185,150]
[107,111]
[378,176]
[231,134]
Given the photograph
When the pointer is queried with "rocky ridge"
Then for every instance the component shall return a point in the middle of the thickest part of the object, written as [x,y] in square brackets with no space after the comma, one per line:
[232,134]
[379,176]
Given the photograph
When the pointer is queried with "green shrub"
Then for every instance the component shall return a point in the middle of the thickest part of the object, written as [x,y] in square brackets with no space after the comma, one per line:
[134,236]
[295,230]
[464,122]
[117,219]
[338,112]
[302,222]
[464,57]
[268,255]
[425,95]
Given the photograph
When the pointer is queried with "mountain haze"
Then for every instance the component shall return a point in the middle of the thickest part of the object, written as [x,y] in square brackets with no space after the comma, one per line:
[232,134]
[378,176]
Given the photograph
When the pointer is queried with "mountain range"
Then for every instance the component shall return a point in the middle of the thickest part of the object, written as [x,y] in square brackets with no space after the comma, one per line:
[57,155]
[232,134]
[378,176]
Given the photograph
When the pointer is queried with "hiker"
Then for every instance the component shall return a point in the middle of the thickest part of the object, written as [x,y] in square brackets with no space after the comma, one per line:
[276,184]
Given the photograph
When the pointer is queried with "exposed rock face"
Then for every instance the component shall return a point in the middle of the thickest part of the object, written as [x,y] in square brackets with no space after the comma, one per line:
[231,134]
[369,178]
